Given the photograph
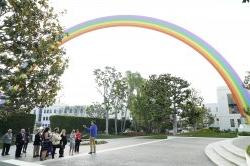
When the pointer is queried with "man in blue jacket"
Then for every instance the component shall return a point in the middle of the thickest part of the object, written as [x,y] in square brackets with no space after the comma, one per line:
[92,136]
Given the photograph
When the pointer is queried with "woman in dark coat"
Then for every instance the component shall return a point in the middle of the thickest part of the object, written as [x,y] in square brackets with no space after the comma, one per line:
[63,142]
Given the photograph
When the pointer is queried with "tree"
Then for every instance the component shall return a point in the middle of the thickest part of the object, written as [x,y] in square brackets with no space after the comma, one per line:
[157,93]
[166,95]
[95,110]
[247,86]
[193,111]
[105,80]
[179,91]
[119,96]
[31,62]
[135,83]
[247,80]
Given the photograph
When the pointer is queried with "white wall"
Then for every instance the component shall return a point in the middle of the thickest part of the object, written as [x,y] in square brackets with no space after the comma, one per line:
[222,114]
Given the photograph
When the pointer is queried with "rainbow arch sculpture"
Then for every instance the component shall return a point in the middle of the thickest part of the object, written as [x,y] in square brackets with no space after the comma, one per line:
[233,81]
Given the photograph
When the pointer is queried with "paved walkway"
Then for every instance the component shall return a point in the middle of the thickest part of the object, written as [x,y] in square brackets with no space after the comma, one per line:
[135,152]
[242,142]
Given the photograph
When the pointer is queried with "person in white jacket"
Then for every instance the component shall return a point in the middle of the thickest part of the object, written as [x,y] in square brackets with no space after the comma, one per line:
[55,141]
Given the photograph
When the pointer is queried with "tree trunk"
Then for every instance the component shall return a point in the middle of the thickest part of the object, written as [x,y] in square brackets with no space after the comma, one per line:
[195,126]
[175,121]
[107,116]
[121,125]
[115,121]
[107,122]
[174,124]
[124,121]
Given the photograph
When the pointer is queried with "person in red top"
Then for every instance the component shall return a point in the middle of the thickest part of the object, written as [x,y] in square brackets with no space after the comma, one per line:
[78,140]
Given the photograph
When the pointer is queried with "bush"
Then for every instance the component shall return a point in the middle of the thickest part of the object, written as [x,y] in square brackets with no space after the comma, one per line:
[248,150]
[210,133]
[244,133]
[134,133]
[157,136]
[72,122]
[16,122]
[216,129]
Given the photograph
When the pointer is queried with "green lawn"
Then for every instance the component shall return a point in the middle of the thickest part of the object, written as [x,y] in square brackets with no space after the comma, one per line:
[210,133]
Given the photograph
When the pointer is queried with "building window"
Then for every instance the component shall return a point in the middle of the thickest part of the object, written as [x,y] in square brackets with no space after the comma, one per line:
[216,109]
[50,111]
[239,122]
[47,118]
[81,111]
[232,122]
[47,111]
[233,109]
[65,111]
[70,111]
[43,118]
[60,111]
[40,115]
[44,111]
[75,111]
[54,111]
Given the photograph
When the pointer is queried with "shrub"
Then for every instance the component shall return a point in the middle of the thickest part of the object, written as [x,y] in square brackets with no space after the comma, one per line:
[216,129]
[211,133]
[248,150]
[72,122]
[16,122]
[244,133]
[134,133]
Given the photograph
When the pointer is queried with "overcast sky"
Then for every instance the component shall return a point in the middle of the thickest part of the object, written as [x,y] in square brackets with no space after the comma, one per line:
[225,24]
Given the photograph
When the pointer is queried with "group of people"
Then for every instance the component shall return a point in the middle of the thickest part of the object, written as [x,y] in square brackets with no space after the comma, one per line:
[22,140]
[46,142]
[50,141]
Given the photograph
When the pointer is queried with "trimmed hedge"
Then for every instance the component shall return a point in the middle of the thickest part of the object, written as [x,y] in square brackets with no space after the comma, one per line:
[210,133]
[72,122]
[16,122]
[244,133]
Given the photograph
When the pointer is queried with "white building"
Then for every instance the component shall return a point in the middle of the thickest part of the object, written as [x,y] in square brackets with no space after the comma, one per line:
[225,111]
[43,114]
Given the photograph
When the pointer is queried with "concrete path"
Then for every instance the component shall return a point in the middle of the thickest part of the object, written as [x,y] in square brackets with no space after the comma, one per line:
[242,142]
[135,152]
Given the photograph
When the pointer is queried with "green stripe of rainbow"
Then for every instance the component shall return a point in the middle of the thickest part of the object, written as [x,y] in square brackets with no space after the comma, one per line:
[240,94]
